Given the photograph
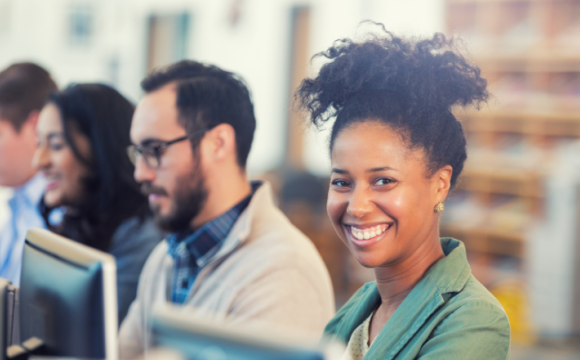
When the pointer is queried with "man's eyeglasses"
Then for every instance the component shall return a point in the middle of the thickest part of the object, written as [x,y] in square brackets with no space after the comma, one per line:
[152,153]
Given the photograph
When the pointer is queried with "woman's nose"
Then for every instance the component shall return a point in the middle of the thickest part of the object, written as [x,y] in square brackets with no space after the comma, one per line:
[360,203]
[41,160]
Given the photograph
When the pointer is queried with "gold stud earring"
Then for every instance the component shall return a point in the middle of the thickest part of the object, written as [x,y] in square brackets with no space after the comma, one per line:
[439,208]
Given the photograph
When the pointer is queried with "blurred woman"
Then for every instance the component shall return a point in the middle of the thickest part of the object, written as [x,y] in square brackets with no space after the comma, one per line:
[396,151]
[83,134]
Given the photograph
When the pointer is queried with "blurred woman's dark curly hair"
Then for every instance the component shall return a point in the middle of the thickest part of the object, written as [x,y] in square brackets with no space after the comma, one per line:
[410,85]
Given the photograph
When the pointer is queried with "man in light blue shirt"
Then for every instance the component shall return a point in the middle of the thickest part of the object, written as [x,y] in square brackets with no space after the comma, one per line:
[24,89]
[24,215]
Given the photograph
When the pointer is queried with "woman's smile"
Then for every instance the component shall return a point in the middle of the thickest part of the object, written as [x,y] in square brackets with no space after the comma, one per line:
[366,235]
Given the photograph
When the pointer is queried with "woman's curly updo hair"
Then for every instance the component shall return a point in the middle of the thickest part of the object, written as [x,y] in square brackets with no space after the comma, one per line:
[410,85]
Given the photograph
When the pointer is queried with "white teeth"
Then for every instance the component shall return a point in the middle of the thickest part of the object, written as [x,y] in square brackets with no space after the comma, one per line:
[368,233]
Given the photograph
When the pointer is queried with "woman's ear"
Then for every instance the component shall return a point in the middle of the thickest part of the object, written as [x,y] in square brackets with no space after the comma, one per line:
[442,182]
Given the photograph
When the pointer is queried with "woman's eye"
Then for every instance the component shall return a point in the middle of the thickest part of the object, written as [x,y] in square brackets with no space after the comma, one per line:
[384,181]
[56,146]
[340,183]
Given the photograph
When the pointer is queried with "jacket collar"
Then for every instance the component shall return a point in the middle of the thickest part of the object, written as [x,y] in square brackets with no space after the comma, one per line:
[448,275]
[262,203]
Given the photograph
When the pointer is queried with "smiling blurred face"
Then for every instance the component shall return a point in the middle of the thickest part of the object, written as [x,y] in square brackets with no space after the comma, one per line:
[380,199]
[56,160]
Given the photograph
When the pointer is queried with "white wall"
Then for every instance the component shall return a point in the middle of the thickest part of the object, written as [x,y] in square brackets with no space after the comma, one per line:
[256,48]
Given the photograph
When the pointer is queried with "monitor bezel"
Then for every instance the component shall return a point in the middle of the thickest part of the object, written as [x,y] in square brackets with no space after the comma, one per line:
[84,256]
[167,318]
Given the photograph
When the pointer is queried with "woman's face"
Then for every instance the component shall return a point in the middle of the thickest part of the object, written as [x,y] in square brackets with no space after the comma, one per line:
[55,159]
[381,200]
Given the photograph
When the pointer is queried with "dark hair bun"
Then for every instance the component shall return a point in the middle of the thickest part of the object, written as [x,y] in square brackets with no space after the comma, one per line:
[409,83]
[429,73]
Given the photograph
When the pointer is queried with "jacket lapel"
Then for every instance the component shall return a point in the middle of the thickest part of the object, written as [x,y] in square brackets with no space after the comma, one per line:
[262,199]
[362,307]
[448,275]
[417,307]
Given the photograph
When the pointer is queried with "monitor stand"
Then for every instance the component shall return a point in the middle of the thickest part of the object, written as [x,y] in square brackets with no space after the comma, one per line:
[32,346]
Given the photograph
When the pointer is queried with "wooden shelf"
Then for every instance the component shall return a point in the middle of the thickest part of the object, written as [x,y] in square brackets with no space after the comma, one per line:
[489,241]
[544,60]
[540,64]
[509,182]
[526,115]
[566,124]
[494,1]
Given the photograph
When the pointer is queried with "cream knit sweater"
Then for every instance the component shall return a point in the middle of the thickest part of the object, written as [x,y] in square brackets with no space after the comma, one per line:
[266,271]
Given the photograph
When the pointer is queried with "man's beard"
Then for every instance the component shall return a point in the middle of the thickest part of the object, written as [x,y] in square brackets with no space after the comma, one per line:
[187,201]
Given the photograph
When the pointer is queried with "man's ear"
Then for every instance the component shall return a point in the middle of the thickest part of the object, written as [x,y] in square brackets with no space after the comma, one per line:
[442,182]
[222,142]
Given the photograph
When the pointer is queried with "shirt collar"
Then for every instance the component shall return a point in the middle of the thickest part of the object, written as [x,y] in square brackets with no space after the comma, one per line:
[214,233]
[31,192]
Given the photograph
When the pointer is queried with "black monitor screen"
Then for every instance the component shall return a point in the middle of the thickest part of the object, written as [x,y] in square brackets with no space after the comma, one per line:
[62,300]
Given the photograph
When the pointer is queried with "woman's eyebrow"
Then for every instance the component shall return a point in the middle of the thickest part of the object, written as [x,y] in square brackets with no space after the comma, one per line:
[339,171]
[379,169]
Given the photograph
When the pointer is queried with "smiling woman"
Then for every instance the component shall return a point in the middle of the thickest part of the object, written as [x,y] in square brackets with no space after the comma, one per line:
[83,134]
[396,152]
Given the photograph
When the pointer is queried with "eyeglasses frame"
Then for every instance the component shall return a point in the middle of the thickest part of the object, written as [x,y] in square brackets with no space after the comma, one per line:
[136,150]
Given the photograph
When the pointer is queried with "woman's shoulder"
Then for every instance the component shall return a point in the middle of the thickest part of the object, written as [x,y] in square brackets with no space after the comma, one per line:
[475,295]
[471,324]
[473,307]
[136,233]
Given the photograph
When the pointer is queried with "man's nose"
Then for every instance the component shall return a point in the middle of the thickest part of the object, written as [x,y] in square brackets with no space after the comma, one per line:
[143,172]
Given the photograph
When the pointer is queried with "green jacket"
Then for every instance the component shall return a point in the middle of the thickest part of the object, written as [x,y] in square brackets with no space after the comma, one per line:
[448,315]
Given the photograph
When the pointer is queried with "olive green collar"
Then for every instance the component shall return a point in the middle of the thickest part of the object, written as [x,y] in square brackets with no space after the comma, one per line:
[448,275]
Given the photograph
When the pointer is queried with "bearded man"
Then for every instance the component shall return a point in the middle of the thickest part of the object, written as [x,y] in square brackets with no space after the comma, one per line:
[231,253]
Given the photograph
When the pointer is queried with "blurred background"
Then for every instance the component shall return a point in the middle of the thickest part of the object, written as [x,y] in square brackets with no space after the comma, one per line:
[517,203]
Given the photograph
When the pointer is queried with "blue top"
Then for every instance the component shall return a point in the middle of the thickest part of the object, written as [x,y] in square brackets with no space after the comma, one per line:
[191,250]
[131,245]
[24,216]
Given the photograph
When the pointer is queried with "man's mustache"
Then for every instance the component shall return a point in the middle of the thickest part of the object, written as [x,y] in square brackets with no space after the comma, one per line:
[147,189]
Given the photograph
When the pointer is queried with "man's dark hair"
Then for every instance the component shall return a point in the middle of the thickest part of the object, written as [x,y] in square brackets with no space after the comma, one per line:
[208,96]
[24,87]
[408,84]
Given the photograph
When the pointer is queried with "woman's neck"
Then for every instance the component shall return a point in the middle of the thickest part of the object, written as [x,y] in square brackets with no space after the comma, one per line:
[395,282]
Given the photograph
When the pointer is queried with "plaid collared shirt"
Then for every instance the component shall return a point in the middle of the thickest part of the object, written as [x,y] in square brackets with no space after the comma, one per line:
[191,250]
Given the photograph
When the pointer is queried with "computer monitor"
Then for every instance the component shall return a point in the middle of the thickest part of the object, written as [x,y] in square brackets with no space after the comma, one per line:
[4,285]
[202,339]
[68,297]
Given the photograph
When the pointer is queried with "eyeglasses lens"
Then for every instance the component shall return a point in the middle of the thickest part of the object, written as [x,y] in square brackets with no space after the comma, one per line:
[150,156]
